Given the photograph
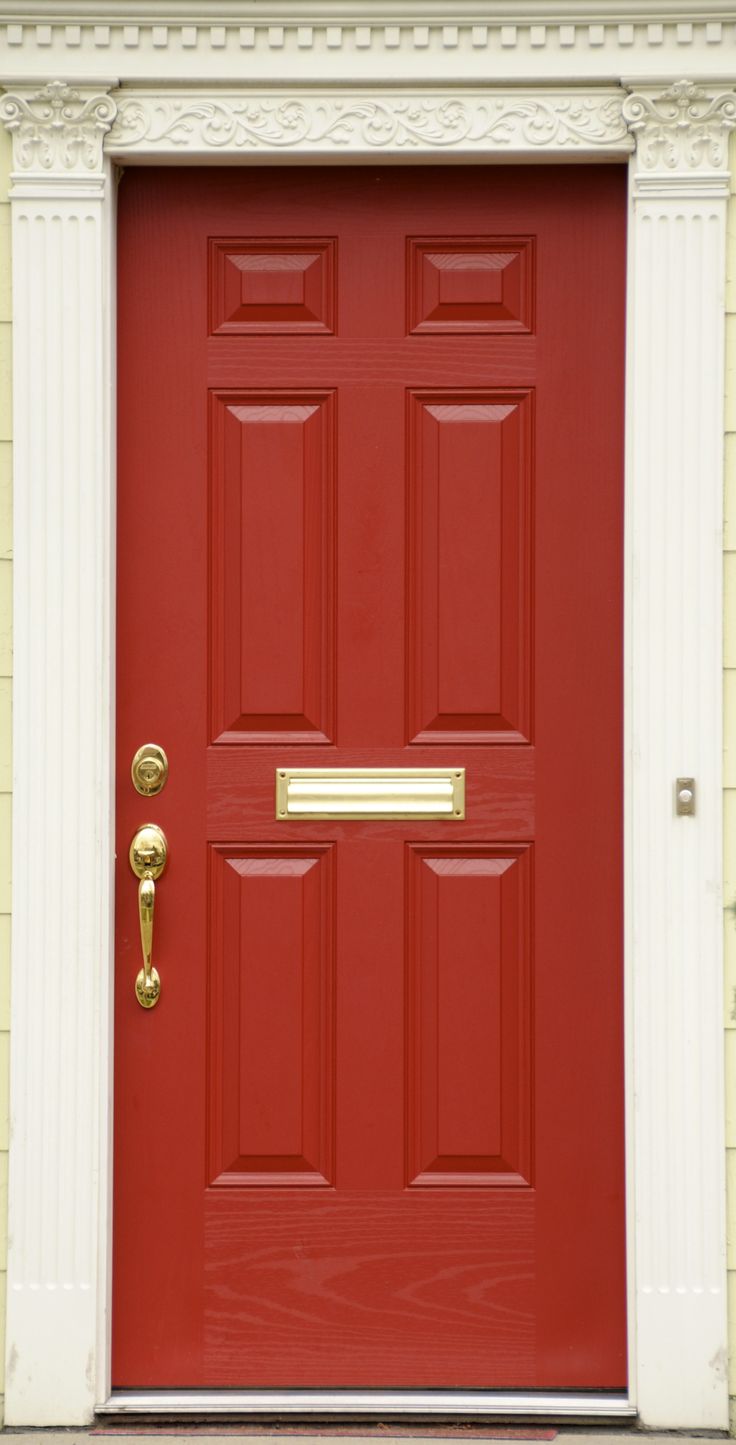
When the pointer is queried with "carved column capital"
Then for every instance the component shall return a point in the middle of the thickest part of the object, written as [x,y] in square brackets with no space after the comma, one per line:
[681,134]
[57,129]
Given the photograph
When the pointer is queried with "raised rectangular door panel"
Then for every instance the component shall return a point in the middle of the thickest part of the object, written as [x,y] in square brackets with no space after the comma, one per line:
[473,284]
[469,1001]
[371,1135]
[272,1016]
[272,568]
[271,287]
[469,567]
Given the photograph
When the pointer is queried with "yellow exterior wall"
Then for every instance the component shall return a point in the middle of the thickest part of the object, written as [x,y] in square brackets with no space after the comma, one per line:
[729,771]
[6,669]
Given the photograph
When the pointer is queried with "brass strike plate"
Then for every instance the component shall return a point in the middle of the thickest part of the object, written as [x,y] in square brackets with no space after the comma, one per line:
[319,793]
[149,770]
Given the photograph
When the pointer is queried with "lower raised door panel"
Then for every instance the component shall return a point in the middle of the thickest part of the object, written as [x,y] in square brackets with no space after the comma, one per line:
[272,1012]
[468,1092]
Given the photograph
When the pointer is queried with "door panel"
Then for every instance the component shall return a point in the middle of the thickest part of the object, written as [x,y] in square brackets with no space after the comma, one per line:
[272,1016]
[272,567]
[468,1083]
[370,471]
[469,609]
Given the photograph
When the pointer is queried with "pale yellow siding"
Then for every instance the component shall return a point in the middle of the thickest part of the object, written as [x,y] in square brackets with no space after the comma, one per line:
[6,669]
[729,771]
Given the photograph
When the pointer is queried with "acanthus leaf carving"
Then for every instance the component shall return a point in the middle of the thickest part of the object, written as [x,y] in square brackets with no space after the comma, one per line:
[684,127]
[253,122]
[57,127]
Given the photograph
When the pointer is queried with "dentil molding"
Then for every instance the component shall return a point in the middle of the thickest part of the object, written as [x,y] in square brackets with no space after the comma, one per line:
[349,26]
[365,41]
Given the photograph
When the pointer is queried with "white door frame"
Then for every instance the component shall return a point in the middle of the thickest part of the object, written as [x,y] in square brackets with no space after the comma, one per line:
[348,87]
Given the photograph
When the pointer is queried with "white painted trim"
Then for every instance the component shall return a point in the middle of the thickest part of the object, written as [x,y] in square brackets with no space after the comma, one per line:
[281,125]
[63,794]
[59,1281]
[679,185]
[423,1403]
[353,41]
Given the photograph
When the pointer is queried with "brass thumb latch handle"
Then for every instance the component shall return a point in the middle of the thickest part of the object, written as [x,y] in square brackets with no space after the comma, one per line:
[148,854]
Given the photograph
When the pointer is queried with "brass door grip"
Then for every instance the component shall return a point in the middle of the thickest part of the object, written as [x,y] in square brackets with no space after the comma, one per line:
[148,854]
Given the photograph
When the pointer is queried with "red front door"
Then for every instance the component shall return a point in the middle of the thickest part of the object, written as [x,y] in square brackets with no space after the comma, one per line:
[370,516]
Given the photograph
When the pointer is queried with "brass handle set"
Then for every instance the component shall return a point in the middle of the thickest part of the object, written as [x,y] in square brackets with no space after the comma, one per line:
[148,853]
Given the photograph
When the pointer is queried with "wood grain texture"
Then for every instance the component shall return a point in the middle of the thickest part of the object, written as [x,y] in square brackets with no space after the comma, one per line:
[402,1288]
[366,1279]
[371,360]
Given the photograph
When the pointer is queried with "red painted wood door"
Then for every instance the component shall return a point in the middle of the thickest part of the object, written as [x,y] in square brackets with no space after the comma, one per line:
[370,432]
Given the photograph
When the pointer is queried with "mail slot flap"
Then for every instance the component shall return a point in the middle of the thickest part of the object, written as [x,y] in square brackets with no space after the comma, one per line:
[370,793]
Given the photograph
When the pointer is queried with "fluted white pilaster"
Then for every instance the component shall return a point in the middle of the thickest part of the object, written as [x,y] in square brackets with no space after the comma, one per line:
[679,189]
[62,889]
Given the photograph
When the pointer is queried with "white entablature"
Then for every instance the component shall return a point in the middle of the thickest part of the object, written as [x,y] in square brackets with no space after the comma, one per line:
[62,129]
[349,42]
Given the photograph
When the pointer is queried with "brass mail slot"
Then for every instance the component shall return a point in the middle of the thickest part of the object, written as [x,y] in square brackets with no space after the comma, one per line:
[370,793]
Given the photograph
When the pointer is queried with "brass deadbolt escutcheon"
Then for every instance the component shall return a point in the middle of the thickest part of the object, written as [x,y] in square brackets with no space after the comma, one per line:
[149,769]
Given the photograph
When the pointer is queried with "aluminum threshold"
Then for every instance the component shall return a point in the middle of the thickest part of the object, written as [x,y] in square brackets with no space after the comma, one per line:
[377,1403]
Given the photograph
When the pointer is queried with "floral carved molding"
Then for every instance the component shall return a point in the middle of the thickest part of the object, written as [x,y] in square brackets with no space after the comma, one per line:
[684,127]
[57,128]
[64,130]
[364,123]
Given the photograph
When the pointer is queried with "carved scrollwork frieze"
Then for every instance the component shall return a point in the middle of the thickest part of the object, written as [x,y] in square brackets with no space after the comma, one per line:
[325,122]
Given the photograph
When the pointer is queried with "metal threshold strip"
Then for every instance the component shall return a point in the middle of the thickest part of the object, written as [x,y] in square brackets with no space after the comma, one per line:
[585,1405]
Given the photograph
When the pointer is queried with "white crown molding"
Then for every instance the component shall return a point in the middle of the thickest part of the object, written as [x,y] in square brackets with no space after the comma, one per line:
[356,40]
[232,124]
[496,11]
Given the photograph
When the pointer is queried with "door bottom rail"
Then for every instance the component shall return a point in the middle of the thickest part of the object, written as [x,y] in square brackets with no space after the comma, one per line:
[384,1404]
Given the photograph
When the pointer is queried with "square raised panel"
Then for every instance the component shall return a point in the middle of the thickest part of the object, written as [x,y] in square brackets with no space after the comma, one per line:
[270,287]
[469,1015]
[471,284]
[272,1015]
